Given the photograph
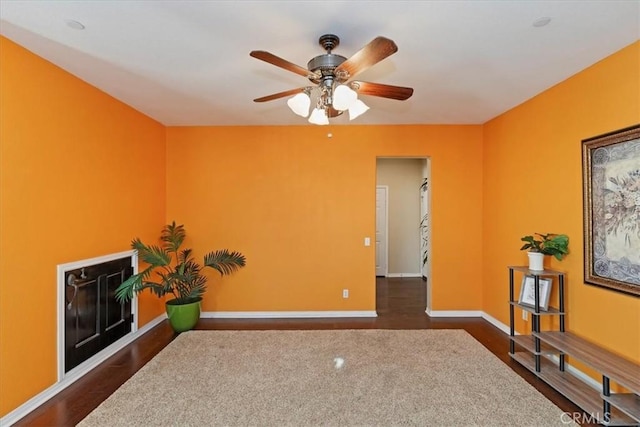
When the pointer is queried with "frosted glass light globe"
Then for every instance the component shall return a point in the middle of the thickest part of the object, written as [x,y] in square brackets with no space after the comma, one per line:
[300,104]
[319,117]
[343,97]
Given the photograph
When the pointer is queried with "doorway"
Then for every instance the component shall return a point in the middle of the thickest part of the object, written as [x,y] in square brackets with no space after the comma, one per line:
[406,296]
[402,228]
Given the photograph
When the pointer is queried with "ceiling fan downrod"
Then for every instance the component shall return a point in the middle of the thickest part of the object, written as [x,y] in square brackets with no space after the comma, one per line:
[324,65]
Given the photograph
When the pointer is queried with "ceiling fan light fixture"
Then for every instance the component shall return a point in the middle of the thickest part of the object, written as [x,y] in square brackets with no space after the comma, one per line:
[331,75]
[319,117]
[343,97]
[300,104]
[357,109]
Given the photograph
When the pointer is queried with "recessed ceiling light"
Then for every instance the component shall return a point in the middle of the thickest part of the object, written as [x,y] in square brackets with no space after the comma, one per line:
[541,22]
[74,24]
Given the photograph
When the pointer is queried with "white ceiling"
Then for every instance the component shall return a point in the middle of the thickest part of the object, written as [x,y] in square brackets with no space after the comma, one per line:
[187,62]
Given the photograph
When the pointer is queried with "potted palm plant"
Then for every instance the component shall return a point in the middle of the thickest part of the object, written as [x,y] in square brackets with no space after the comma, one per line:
[173,271]
[556,245]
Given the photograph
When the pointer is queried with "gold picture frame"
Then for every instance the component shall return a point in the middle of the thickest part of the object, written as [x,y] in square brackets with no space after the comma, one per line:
[611,205]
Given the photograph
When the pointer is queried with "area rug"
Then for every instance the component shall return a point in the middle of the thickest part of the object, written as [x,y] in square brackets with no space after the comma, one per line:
[326,378]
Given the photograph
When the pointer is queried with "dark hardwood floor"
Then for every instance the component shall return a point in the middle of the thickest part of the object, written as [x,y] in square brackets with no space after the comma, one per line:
[400,305]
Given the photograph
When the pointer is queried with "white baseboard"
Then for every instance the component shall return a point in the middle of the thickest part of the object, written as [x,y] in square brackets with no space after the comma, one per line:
[404,275]
[495,322]
[283,314]
[454,313]
[74,375]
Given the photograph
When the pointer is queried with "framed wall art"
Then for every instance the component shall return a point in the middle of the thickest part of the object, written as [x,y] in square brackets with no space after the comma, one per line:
[611,205]
[528,289]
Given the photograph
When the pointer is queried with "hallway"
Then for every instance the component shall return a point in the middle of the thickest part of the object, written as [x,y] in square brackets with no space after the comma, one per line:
[401,296]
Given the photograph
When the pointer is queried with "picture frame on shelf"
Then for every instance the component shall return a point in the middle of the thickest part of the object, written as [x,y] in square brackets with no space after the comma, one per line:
[527,292]
[611,202]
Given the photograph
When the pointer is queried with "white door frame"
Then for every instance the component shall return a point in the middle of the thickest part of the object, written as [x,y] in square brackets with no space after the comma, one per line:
[426,199]
[425,209]
[386,228]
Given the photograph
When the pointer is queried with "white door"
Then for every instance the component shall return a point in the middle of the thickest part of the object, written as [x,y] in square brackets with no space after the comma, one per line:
[381,230]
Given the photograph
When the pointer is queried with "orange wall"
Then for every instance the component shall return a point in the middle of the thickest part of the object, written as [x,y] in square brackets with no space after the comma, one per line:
[80,175]
[533,183]
[298,204]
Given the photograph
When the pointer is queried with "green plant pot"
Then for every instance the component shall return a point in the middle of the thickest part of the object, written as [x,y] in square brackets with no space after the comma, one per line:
[183,316]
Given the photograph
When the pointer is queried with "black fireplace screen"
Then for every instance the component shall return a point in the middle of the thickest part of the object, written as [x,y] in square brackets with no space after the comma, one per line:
[93,317]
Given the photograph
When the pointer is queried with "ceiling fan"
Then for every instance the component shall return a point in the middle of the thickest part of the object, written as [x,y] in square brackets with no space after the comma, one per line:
[331,74]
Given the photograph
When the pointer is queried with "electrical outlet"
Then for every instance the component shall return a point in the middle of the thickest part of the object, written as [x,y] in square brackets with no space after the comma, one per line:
[345,293]
[525,315]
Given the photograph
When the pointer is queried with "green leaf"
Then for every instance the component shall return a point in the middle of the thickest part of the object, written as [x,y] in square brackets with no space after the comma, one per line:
[532,243]
[184,256]
[135,284]
[172,236]
[152,255]
[224,261]
[184,279]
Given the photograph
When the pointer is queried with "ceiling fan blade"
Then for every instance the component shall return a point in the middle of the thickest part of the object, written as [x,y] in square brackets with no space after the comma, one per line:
[279,95]
[385,91]
[282,63]
[377,50]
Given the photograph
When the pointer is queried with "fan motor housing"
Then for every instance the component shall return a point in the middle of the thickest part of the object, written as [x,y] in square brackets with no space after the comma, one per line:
[325,64]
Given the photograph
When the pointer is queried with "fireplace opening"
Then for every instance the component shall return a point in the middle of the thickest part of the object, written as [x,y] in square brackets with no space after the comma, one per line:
[93,319]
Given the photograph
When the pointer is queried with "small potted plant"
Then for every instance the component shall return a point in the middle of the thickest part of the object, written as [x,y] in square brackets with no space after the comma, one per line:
[173,271]
[556,245]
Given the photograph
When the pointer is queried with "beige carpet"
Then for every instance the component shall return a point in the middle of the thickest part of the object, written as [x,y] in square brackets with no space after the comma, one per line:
[296,378]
